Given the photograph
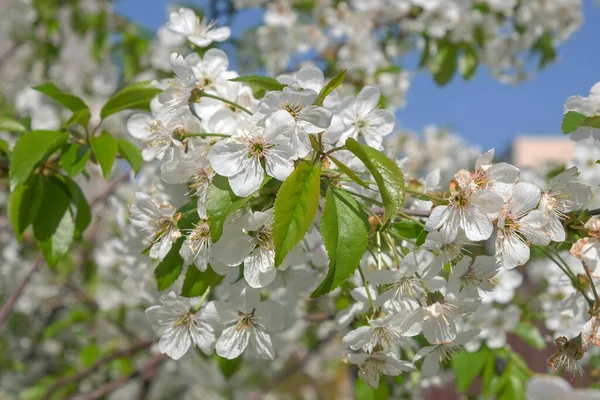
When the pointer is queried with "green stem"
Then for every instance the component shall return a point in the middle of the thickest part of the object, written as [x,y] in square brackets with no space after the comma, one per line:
[411,241]
[391,243]
[204,134]
[428,195]
[416,221]
[197,307]
[231,103]
[589,276]
[364,197]
[362,276]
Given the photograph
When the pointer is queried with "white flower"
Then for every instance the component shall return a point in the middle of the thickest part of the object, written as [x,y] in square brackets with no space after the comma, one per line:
[359,305]
[160,219]
[177,91]
[202,34]
[197,249]
[308,118]
[435,355]
[194,169]
[383,332]
[248,322]
[210,70]
[307,77]
[470,279]
[496,178]
[241,157]
[362,117]
[547,387]
[471,210]
[439,320]
[403,285]
[495,323]
[504,284]
[371,366]
[249,240]
[180,327]
[588,106]
[519,221]
[564,194]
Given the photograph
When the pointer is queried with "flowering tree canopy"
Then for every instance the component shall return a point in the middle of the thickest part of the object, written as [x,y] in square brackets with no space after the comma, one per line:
[207,214]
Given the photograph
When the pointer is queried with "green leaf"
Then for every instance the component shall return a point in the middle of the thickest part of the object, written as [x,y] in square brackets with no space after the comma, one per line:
[387,174]
[545,48]
[105,149]
[228,367]
[221,202]
[30,150]
[467,366]
[169,269]
[83,216]
[330,87]
[23,204]
[408,229]
[135,96]
[70,101]
[468,61]
[196,282]
[4,149]
[530,334]
[571,121]
[261,82]
[74,158]
[11,125]
[443,66]
[54,224]
[81,117]
[349,173]
[131,153]
[362,391]
[345,232]
[295,208]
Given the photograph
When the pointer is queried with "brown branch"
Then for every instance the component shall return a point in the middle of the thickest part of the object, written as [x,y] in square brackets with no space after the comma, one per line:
[318,317]
[594,212]
[9,53]
[86,372]
[9,305]
[144,372]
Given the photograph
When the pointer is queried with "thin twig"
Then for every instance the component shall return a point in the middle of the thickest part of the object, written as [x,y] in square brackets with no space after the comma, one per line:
[145,371]
[9,305]
[77,377]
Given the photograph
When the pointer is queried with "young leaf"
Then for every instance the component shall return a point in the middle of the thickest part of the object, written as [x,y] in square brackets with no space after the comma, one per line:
[135,96]
[363,391]
[295,208]
[105,149]
[23,204]
[31,149]
[467,366]
[221,202]
[70,101]
[81,117]
[530,334]
[196,282]
[408,229]
[261,82]
[131,153]
[571,121]
[349,173]
[74,157]
[443,66]
[387,174]
[228,367]
[11,125]
[54,224]
[83,216]
[468,62]
[345,234]
[169,269]
[330,87]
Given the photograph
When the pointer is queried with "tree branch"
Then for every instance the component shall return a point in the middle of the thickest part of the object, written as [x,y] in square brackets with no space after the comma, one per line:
[145,371]
[9,305]
[86,372]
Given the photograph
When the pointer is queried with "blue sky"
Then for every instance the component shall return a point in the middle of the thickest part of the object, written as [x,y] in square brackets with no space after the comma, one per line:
[483,111]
